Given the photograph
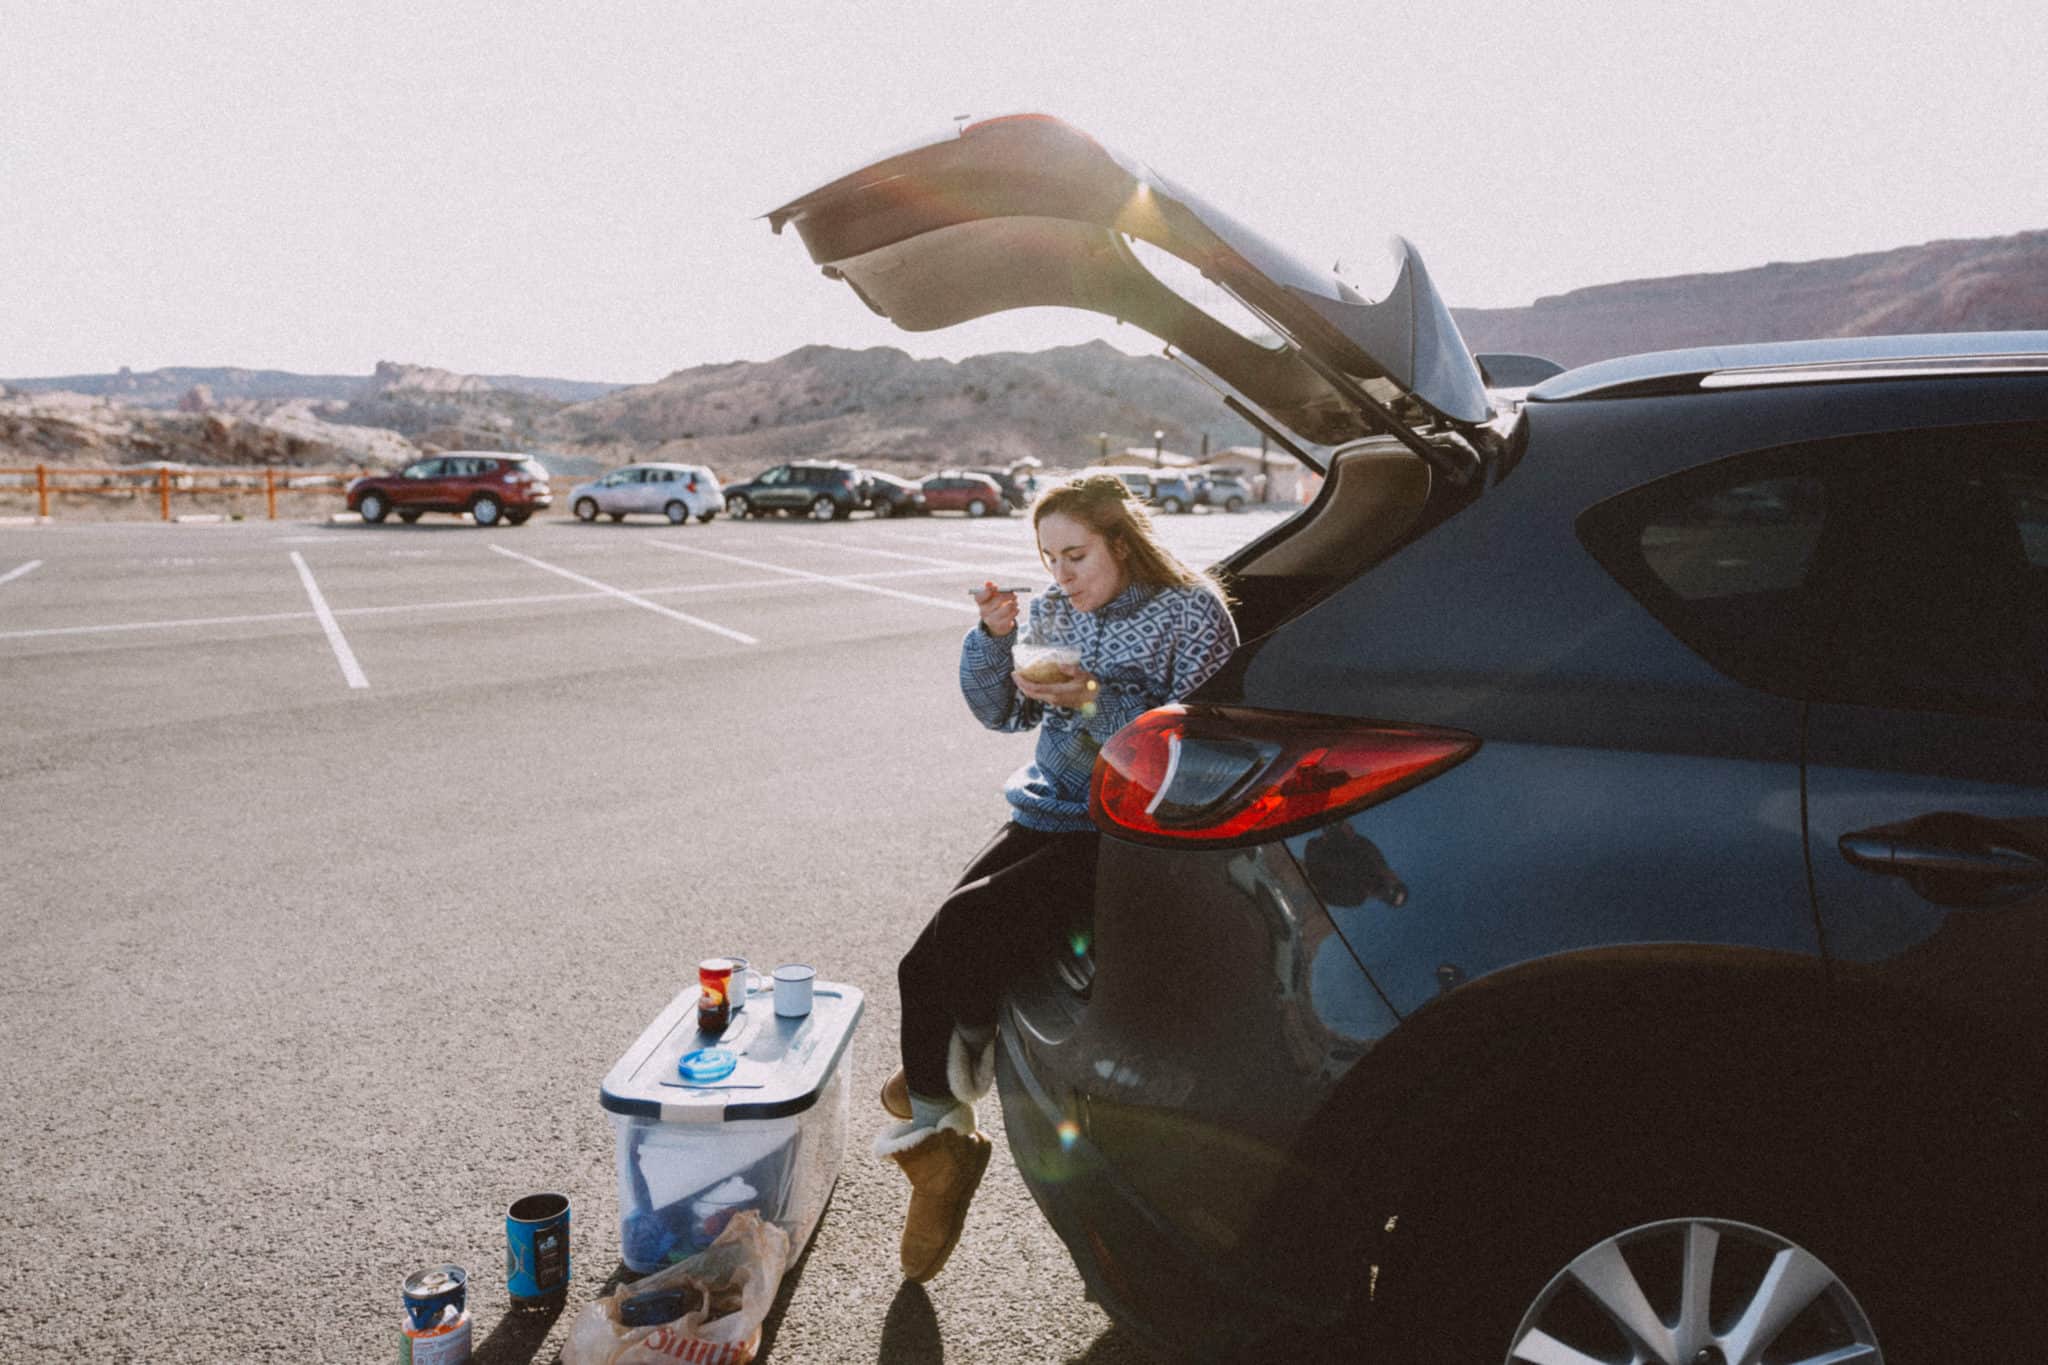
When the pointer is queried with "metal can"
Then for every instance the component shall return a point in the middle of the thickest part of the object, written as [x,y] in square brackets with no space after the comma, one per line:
[714,994]
[435,1296]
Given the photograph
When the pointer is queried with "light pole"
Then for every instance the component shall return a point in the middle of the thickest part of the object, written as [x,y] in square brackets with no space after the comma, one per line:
[1158,440]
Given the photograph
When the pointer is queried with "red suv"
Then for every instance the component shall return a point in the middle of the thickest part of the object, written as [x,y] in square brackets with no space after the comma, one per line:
[956,490]
[489,485]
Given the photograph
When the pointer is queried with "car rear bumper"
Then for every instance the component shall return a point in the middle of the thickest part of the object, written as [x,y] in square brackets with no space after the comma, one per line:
[1168,1295]
[1162,1116]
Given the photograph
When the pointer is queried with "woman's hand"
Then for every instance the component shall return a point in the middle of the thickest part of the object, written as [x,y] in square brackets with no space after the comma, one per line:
[998,609]
[1077,693]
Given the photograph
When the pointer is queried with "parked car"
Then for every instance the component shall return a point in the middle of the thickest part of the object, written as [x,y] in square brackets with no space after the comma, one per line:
[490,486]
[1165,489]
[888,496]
[1017,485]
[1599,913]
[959,490]
[1220,488]
[822,490]
[675,491]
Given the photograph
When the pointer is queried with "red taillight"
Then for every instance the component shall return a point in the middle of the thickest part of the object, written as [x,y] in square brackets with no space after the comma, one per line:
[1221,773]
[690,487]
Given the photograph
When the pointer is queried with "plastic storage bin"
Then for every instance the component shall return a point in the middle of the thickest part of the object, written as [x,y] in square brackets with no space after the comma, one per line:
[768,1136]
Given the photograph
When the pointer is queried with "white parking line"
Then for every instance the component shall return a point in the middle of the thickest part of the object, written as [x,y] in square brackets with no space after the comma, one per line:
[977,566]
[853,584]
[634,598]
[350,669]
[468,604]
[15,573]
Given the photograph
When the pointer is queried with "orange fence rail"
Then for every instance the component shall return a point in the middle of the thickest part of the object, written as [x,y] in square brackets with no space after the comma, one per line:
[57,480]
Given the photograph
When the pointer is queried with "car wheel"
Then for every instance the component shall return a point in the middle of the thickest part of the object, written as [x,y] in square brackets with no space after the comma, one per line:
[1608,1195]
[1171,505]
[373,507]
[976,507]
[616,517]
[706,516]
[1233,504]
[824,509]
[884,508]
[586,509]
[408,517]
[486,510]
[1695,1266]
[737,506]
[516,518]
[677,513]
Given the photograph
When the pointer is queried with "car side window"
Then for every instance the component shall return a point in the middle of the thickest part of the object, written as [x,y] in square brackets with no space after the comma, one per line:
[1935,601]
[1720,554]
[425,469]
[1886,570]
[2025,486]
[779,474]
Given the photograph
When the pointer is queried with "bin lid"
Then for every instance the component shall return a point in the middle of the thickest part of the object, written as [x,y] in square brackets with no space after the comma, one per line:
[781,1065]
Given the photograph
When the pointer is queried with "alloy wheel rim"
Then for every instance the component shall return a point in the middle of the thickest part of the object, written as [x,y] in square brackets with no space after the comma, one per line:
[1695,1291]
[486,513]
[822,510]
[586,510]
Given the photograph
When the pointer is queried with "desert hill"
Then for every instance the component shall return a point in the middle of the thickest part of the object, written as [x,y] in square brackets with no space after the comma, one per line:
[882,406]
[1985,284]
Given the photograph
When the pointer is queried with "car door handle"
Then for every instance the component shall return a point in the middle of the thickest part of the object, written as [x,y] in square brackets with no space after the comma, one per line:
[1887,855]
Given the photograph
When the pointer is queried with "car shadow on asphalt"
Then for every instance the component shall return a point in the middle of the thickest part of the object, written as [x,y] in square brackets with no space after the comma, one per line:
[910,1336]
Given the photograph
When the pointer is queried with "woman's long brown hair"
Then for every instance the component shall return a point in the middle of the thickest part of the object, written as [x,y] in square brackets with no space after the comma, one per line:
[1103,503]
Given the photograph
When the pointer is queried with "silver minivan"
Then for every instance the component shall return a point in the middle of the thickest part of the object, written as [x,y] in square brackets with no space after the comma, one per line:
[676,491]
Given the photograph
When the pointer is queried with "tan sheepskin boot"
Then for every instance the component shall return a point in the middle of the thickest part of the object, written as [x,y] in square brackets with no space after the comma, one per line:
[944,1163]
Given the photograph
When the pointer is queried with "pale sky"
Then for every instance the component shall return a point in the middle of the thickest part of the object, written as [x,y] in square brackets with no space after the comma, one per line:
[575,189]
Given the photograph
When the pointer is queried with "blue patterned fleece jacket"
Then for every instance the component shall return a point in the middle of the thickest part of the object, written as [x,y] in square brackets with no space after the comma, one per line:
[1147,647]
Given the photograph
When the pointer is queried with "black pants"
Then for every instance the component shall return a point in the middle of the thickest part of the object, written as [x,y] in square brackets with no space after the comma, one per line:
[1012,907]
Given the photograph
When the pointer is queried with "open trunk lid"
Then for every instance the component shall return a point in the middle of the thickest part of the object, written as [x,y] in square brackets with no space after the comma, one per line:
[1026,211]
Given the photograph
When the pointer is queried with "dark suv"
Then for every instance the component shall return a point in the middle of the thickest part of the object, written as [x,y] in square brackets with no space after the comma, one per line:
[821,490]
[489,486]
[1601,911]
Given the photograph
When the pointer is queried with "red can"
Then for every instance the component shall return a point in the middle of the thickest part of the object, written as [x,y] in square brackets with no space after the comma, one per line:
[714,994]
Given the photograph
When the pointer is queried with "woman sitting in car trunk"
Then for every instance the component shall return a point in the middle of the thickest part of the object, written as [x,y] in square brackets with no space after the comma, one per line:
[1149,629]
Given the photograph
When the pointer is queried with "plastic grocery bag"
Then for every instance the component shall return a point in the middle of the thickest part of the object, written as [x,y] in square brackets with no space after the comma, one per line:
[707,1310]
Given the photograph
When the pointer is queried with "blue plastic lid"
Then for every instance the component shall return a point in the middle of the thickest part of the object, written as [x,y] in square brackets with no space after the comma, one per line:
[706,1064]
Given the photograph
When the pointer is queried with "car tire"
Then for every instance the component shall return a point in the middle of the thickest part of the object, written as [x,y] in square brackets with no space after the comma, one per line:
[737,506]
[707,516]
[884,509]
[408,517]
[976,507]
[373,508]
[1233,504]
[824,509]
[586,509]
[1171,506]
[616,517]
[677,513]
[1607,1165]
[516,518]
[486,510]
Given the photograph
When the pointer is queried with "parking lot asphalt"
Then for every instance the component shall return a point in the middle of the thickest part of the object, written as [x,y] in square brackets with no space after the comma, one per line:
[341,862]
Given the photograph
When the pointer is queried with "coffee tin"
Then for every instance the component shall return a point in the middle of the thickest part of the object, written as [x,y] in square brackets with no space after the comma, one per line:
[434,1296]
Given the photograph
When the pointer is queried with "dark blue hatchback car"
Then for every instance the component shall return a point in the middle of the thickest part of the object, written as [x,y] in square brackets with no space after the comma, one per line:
[1601,912]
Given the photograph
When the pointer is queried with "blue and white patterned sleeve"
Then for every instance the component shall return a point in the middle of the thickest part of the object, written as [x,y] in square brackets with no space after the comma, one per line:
[985,667]
[1204,642]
